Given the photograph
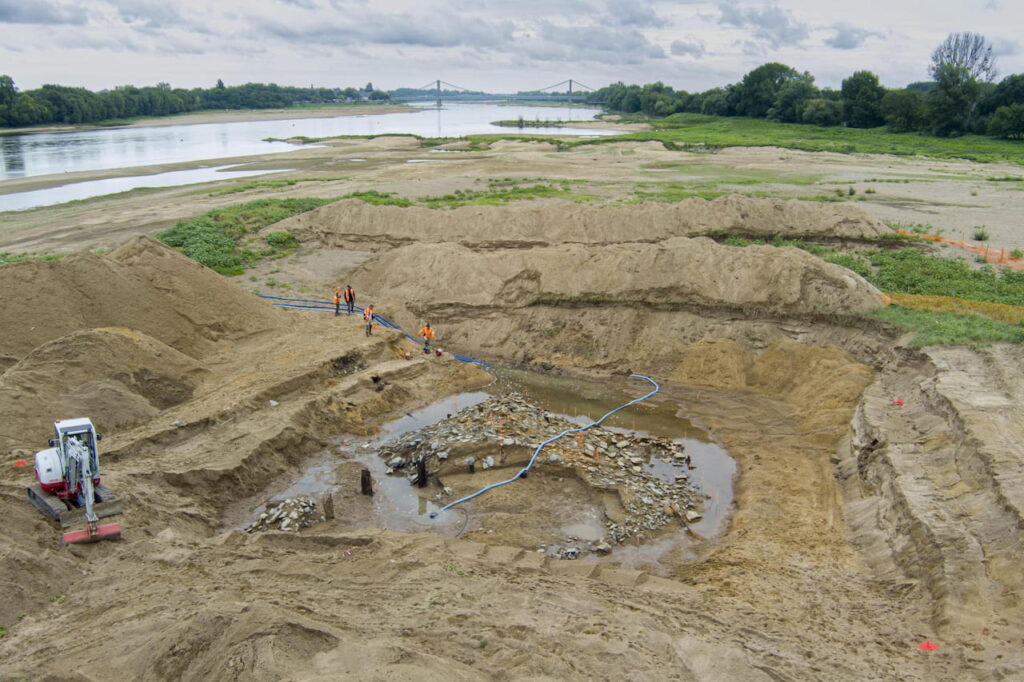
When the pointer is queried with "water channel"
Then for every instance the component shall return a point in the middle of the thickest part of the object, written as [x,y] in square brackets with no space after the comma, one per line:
[397,505]
[42,154]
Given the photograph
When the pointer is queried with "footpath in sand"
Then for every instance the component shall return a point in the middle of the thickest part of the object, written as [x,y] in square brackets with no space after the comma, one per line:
[839,559]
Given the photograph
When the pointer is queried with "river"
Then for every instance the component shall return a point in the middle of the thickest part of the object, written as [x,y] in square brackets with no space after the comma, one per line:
[41,154]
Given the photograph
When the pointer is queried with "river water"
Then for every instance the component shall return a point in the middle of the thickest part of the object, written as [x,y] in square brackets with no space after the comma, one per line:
[40,154]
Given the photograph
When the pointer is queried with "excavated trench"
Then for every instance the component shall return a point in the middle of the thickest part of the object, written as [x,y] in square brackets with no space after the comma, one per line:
[555,511]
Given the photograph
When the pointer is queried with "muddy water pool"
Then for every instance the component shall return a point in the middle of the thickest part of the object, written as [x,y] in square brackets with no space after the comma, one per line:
[399,505]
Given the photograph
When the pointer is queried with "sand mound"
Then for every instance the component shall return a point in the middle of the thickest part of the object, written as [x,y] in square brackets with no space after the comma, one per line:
[354,224]
[117,377]
[143,285]
[678,271]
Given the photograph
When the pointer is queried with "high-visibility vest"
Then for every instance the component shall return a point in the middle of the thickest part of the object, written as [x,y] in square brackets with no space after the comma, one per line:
[368,314]
[427,333]
[337,296]
[350,296]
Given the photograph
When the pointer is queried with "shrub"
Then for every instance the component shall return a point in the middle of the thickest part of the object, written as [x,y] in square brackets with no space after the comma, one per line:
[980,234]
[282,240]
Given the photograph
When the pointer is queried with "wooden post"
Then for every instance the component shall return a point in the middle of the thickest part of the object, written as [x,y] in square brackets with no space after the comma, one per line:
[366,482]
[421,473]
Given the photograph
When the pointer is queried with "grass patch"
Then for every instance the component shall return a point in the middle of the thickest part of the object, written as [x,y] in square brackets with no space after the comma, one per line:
[266,184]
[8,258]
[1000,312]
[943,328]
[908,271]
[221,239]
[711,131]
[498,193]
[376,198]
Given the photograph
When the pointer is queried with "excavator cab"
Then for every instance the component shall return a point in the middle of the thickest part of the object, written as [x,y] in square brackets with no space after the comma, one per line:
[70,472]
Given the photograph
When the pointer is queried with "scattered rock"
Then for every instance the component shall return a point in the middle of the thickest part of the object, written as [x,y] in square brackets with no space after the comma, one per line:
[274,403]
[603,459]
[292,514]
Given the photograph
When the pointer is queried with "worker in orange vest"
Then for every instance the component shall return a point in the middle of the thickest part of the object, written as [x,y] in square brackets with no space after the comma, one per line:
[427,333]
[337,300]
[350,299]
[369,315]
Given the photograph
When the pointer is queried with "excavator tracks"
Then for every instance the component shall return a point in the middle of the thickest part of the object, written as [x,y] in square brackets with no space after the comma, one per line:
[106,504]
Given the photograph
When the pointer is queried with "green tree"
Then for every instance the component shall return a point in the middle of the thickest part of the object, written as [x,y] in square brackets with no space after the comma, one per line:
[862,100]
[904,110]
[715,102]
[791,99]
[953,100]
[1008,122]
[7,90]
[822,112]
[220,84]
[759,88]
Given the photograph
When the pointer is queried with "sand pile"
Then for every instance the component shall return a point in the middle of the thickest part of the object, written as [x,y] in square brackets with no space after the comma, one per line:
[143,285]
[117,377]
[357,225]
[678,271]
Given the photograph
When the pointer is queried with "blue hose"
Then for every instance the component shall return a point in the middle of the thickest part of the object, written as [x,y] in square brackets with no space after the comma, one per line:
[297,304]
[522,472]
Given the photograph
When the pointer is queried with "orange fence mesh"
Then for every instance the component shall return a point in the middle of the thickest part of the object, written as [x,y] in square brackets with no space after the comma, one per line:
[995,256]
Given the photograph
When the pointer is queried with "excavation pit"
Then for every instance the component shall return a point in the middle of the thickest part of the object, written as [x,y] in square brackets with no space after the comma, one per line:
[645,483]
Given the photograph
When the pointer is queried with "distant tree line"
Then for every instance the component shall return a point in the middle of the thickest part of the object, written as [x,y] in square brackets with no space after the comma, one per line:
[962,97]
[62,104]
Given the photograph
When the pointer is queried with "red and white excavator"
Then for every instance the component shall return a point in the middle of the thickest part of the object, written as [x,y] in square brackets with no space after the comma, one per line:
[69,488]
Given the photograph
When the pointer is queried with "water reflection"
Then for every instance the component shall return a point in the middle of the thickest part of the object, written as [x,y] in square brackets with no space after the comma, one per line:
[48,153]
[11,150]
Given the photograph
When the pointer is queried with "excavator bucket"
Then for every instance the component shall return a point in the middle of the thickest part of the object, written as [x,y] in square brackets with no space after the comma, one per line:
[93,533]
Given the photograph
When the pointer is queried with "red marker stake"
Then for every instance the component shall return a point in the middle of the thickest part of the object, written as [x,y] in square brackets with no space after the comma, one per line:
[20,463]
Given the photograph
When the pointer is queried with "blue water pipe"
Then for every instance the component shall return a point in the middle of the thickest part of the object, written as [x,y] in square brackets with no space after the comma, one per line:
[523,472]
[318,304]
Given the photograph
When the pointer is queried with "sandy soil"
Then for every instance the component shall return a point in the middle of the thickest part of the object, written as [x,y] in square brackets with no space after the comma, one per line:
[862,526]
[225,116]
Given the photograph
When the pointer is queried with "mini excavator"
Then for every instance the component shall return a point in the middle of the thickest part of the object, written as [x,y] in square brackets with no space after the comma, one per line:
[69,489]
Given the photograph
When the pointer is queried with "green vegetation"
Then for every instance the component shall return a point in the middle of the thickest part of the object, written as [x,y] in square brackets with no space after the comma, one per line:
[948,328]
[980,234]
[497,195]
[908,271]
[716,132]
[61,104]
[222,239]
[59,599]
[983,298]
[379,198]
[961,99]
[7,257]
[266,184]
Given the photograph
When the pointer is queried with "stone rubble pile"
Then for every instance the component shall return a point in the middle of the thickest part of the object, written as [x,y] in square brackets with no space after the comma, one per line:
[291,514]
[491,431]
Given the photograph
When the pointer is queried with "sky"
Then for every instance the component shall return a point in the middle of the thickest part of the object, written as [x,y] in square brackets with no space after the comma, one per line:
[491,45]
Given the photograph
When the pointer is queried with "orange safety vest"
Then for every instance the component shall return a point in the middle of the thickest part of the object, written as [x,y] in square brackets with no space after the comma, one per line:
[350,295]
[337,295]
[368,313]
[427,333]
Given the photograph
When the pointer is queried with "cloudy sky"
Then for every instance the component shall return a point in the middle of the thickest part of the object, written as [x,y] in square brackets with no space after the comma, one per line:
[493,45]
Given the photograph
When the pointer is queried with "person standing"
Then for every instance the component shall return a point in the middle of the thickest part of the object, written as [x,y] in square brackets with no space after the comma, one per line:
[337,300]
[427,333]
[369,315]
[350,299]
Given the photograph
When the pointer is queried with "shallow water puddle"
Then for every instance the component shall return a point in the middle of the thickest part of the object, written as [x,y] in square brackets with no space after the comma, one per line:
[572,518]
